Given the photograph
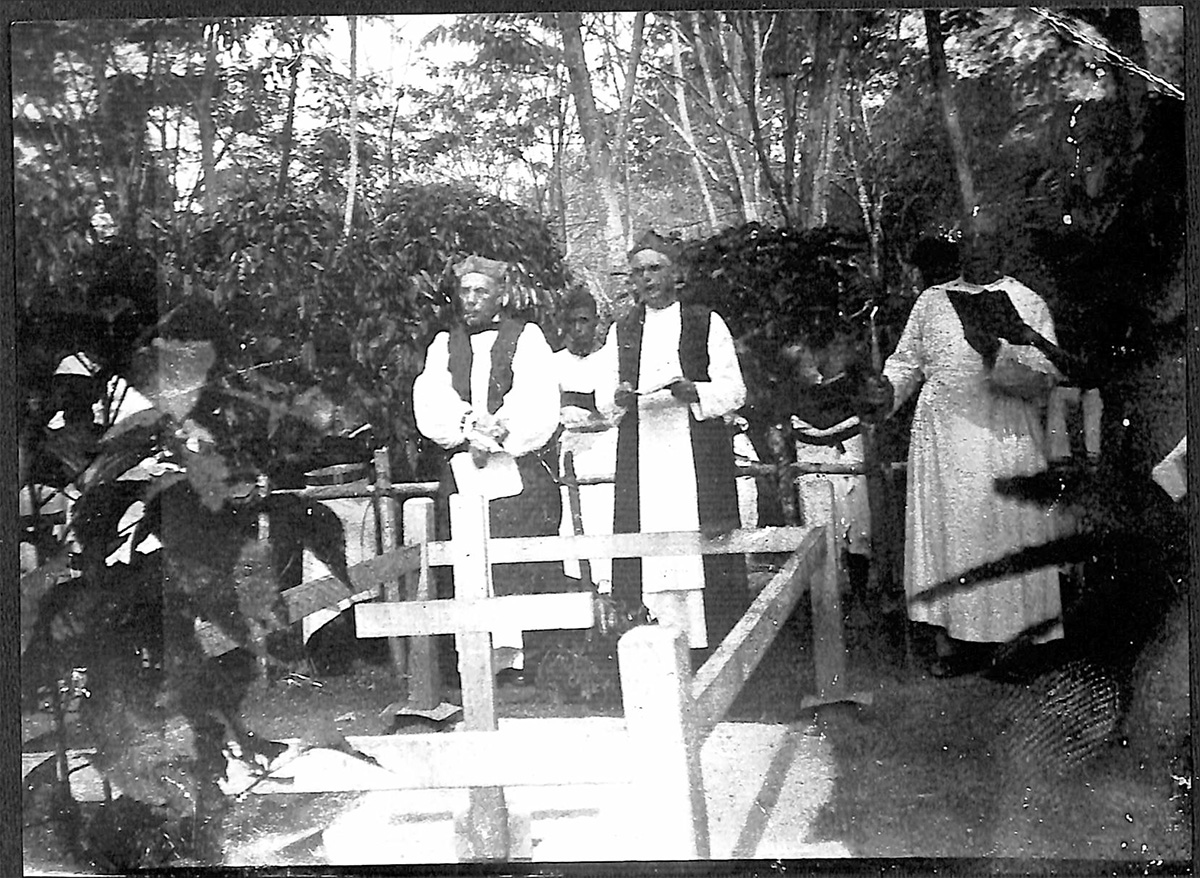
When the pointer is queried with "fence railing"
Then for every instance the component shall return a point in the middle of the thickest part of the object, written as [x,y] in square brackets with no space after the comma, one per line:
[668,713]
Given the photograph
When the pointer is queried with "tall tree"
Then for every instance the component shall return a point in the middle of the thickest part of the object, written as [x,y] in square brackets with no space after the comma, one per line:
[709,51]
[287,138]
[825,111]
[685,128]
[205,119]
[352,171]
[951,114]
[626,108]
[595,134]
[753,37]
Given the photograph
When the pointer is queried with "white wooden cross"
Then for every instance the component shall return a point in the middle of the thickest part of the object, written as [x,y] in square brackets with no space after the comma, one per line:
[472,617]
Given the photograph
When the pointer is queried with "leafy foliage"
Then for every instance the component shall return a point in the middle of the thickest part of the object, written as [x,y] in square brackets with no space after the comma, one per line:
[162,539]
[353,315]
[776,287]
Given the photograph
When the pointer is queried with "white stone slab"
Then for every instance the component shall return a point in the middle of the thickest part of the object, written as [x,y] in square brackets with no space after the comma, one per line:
[764,786]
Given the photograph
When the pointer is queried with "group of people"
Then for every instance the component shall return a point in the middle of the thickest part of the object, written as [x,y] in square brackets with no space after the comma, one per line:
[653,406]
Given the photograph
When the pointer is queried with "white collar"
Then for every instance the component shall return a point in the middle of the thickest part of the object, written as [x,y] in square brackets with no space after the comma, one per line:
[674,306]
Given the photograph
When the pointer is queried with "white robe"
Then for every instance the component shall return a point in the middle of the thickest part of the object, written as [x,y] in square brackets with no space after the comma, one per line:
[529,410]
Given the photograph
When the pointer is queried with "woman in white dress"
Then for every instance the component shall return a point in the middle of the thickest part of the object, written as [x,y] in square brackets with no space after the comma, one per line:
[979,416]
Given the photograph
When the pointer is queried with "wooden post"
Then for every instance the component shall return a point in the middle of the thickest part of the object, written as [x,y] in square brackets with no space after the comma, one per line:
[485,834]
[656,684]
[264,536]
[575,505]
[264,522]
[424,683]
[829,642]
[386,512]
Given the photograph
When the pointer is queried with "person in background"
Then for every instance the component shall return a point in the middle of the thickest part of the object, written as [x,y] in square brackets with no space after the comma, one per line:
[828,388]
[674,378]
[489,395]
[979,416]
[588,444]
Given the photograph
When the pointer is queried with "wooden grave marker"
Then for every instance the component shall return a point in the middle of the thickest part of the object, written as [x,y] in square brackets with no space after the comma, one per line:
[472,616]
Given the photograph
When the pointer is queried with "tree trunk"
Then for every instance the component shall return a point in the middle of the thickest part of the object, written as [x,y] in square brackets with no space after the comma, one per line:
[635,57]
[559,171]
[352,174]
[595,138]
[784,76]
[752,46]
[685,127]
[205,122]
[858,139]
[722,118]
[958,142]
[818,212]
[144,178]
[741,114]
[817,37]
[289,123]
[1122,28]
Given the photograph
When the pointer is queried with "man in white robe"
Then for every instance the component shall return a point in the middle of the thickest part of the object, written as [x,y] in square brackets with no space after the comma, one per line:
[489,395]
[676,381]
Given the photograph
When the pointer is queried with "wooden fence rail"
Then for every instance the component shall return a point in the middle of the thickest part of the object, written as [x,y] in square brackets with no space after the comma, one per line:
[667,714]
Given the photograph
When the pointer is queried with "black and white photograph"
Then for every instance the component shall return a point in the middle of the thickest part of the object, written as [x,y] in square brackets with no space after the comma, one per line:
[713,439]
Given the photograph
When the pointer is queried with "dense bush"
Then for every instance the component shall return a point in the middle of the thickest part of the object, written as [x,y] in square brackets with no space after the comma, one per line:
[258,334]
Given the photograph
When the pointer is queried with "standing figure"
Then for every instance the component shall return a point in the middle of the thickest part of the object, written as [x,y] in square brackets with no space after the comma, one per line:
[588,441]
[488,394]
[979,416]
[677,382]
[826,432]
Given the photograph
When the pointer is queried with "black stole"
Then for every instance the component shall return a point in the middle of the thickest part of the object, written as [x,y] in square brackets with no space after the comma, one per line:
[536,510]
[503,350]
[500,381]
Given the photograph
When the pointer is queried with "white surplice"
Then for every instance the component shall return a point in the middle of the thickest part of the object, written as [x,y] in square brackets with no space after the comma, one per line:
[529,411]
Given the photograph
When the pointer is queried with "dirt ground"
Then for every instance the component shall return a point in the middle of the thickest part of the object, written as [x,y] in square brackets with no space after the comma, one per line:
[926,770]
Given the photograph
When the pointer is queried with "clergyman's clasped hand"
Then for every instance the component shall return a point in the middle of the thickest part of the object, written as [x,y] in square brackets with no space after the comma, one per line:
[485,435]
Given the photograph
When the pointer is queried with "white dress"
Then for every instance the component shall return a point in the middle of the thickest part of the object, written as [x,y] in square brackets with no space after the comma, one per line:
[966,432]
